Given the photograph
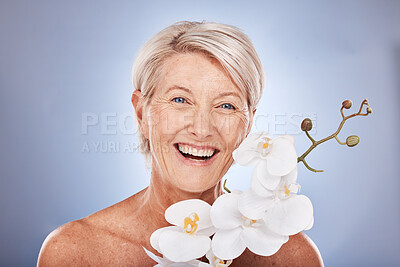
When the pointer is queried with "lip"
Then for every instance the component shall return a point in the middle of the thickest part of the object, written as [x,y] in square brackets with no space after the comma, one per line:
[204,147]
[191,162]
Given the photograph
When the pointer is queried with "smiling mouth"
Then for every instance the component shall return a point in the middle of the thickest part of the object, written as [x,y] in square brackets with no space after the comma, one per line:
[196,154]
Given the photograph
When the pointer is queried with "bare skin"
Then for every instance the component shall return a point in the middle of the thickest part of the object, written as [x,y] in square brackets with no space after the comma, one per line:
[115,236]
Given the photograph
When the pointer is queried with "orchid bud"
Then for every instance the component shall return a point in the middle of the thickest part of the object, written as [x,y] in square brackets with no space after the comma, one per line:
[352,140]
[369,110]
[347,104]
[306,125]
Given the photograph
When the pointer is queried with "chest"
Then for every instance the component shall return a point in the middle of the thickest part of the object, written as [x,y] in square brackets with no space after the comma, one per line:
[125,248]
[118,251]
[119,254]
[111,248]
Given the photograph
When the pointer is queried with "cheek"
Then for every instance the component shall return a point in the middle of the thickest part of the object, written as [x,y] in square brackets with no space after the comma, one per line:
[167,121]
[232,128]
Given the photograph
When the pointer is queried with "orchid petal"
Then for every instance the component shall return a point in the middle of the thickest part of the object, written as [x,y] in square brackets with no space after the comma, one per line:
[207,231]
[191,263]
[246,158]
[311,224]
[224,212]
[182,247]
[290,216]
[186,264]
[210,255]
[228,244]
[176,213]
[258,188]
[268,180]
[237,192]
[291,177]
[182,264]
[252,205]
[262,241]
[289,137]
[282,157]
[156,234]
[152,255]
[247,152]
[214,261]
[162,262]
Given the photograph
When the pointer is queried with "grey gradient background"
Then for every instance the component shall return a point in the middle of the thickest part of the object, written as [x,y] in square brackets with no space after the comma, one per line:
[60,60]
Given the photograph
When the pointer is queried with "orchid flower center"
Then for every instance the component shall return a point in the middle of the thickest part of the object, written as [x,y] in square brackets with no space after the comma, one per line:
[248,222]
[287,190]
[190,223]
[264,146]
[221,263]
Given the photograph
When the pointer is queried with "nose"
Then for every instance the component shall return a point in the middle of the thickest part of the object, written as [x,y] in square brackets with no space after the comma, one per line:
[201,125]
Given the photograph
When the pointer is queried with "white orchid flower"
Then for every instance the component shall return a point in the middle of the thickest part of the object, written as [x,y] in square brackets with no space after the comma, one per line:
[236,232]
[214,261]
[282,210]
[277,155]
[189,238]
[164,262]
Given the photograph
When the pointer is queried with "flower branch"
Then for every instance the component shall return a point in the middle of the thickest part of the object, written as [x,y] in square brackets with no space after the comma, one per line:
[259,219]
[226,188]
[351,141]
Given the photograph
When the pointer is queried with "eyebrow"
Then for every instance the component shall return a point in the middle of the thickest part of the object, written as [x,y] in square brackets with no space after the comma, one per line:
[229,94]
[174,87]
[178,87]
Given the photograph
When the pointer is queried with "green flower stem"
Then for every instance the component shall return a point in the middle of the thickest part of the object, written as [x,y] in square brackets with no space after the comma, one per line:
[309,136]
[337,139]
[226,189]
[334,135]
[308,167]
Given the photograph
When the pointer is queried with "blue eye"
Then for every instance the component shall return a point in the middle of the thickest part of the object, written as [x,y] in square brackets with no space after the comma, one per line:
[227,106]
[179,100]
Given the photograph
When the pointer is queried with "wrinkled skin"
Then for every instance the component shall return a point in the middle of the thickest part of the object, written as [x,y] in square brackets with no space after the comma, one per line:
[199,120]
[115,235]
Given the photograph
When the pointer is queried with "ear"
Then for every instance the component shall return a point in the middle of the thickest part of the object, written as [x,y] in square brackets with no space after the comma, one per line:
[138,104]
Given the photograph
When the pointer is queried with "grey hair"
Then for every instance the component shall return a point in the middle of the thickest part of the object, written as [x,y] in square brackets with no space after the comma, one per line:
[225,43]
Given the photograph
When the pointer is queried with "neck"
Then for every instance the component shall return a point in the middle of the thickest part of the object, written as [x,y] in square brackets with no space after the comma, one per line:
[160,195]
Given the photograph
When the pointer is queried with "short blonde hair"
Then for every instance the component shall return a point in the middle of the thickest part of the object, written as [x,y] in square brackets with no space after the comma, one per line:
[227,44]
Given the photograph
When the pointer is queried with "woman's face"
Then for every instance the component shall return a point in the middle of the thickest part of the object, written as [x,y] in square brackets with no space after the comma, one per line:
[195,119]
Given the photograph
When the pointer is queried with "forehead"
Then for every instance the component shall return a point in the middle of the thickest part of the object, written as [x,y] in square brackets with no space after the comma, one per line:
[195,71]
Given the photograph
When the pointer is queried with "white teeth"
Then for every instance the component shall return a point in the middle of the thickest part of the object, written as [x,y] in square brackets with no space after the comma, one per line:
[195,152]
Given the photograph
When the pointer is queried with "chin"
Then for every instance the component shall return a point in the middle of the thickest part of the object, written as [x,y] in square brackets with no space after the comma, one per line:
[195,184]
[194,168]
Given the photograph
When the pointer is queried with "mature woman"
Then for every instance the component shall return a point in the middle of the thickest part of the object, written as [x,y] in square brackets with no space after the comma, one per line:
[196,89]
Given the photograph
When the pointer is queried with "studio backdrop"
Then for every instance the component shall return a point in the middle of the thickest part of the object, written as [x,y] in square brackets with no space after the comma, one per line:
[69,142]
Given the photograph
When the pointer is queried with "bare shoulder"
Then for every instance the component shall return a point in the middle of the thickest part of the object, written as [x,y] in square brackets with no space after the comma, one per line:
[300,250]
[107,237]
[65,246]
